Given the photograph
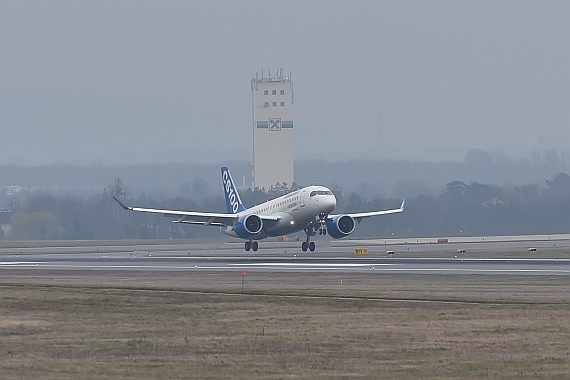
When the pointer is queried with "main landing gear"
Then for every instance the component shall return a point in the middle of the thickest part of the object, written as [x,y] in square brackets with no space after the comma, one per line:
[251,245]
[310,245]
[317,225]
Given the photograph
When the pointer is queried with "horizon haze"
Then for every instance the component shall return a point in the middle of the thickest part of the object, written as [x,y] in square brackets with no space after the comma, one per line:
[136,82]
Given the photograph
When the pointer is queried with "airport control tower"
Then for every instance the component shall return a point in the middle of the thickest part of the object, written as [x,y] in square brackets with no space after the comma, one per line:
[272,99]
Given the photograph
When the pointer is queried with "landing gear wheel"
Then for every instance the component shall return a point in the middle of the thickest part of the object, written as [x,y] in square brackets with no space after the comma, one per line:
[254,246]
[248,245]
[312,246]
[304,246]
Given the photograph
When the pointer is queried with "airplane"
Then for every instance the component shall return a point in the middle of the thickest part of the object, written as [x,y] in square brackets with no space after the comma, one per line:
[307,209]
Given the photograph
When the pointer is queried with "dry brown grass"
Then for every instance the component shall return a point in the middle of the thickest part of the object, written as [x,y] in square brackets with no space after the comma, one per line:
[99,325]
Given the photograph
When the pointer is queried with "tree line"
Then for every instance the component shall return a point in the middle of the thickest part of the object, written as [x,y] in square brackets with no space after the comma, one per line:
[468,209]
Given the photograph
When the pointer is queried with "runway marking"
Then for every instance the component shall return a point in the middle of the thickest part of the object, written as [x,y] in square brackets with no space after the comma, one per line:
[309,265]
[23,263]
[306,268]
[409,265]
[477,270]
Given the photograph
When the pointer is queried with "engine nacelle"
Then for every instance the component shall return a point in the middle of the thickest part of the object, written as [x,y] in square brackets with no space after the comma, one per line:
[340,226]
[248,225]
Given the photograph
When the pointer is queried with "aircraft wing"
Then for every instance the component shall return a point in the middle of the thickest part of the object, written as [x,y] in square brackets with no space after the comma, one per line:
[194,217]
[361,215]
[191,217]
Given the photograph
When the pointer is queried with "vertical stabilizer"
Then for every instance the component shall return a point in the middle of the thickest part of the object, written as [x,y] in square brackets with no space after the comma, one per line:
[233,201]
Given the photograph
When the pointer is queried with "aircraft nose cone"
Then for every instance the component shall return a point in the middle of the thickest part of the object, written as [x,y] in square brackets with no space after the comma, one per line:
[330,203]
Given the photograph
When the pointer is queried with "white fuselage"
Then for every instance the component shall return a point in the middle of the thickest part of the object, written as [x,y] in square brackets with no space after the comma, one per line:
[295,211]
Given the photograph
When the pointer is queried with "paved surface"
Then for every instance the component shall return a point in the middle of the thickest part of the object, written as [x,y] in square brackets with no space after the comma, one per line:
[332,256]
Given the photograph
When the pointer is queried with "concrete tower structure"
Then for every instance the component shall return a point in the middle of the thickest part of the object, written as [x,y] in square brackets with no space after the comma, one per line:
[272,99]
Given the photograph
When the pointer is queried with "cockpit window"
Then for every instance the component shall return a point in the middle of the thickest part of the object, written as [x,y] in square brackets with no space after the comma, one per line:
[320,192]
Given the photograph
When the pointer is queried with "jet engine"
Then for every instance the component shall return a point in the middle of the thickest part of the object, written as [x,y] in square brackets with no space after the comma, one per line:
[248,225]
[340,226]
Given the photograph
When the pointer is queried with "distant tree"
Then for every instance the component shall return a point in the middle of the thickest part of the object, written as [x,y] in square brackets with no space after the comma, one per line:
[455,190]
[552,158]
[561,181]
[253,197]
[559,186]
[42,202]
[355,203]
[79,231]
[198,189]
[41,225]
[478,193]
[278,189]
[117,189]
[526,193]
[536,157]
[411,187]
[478,157]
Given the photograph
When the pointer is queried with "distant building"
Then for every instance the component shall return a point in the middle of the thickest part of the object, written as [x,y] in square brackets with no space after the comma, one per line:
[273,162]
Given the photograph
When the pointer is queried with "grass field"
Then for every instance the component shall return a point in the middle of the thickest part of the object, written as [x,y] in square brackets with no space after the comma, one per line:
[199,325]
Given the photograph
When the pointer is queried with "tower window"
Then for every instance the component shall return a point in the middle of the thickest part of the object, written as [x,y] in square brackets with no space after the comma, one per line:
[266,92]
[266,104]
[274,104]
[273,92]
[282,92]
[282,104]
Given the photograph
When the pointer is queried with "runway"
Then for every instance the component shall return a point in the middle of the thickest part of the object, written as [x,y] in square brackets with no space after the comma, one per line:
[286,257]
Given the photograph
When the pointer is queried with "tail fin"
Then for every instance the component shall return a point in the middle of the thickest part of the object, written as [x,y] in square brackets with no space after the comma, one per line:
[233,201]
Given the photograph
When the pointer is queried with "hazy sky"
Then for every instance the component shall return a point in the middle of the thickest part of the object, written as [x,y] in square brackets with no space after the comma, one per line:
[121,82]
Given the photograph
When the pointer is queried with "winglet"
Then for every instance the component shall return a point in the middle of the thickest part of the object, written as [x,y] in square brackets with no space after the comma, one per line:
[124,206]
[403,204]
